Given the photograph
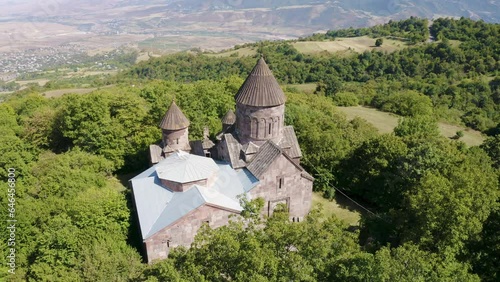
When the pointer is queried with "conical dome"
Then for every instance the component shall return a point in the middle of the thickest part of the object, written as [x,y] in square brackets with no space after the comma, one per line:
[174,119]
[260,89]
[229,118]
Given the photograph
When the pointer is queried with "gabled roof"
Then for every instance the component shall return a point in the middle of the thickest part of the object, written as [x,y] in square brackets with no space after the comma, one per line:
[155,153]
[290,140]
[183,203]
[207,144]
[229,118]
[250,148]
[150,198]
[182,167]
[233,147]
[260,89]
[264,158]
[174,119]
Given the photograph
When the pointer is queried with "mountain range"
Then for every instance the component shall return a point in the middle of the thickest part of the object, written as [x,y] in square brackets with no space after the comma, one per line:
[207,23]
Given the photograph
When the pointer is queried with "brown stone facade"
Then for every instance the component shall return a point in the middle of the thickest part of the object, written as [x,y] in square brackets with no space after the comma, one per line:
[176,139]
[259,124]
[182,232]
[283,183]
[181,187]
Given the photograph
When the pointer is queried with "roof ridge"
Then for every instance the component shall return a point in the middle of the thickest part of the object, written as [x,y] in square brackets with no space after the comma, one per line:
[197,187]
[272,143]
[216,192]
[266,155]
[158,217]
[179,194]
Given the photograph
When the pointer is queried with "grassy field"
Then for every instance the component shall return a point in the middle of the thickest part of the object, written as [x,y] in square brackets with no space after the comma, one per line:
[306,87]
[85,72]
[385,123]
[339,45]
[40,82]
[144,56]
[242,52]
[354,44]
[60,92]
[337,207]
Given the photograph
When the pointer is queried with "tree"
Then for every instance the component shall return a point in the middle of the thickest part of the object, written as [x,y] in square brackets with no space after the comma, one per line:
[419,127]
[379,42]
[405,263]
[492,147]
[485,249]
[369,171]
[426,189]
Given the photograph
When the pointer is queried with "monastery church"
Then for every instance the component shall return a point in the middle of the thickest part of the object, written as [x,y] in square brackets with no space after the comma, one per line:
[191,183]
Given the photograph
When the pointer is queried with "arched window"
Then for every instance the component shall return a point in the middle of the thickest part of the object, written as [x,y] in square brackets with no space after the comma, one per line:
[270,127]
[254,128]
[262,128]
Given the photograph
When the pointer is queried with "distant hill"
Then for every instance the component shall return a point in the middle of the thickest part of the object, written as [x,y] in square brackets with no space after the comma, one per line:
[328,14]
[173,25]
[307,14]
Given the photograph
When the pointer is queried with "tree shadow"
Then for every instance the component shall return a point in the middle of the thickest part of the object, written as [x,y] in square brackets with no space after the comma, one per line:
[346,203]
[134,237]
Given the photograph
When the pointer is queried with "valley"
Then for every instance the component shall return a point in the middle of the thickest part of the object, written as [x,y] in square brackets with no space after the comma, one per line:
[36,35]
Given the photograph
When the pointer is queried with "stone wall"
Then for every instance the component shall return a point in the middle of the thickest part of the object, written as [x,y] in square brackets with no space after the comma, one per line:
[181,187]
[258,124]
[176,139]
[294,190]
[182,232]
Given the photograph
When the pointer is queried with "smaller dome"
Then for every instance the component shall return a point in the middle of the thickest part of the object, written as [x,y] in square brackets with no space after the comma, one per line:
[229,118]
[181,167]
[174,119]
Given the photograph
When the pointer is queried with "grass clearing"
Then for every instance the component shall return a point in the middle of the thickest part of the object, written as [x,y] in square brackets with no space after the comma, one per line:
[385,123]
[335,207]
[308,88]
[471,136]
[145,56]
[354,44]
[60,92]
[86,72]
[242,52]
[40,82]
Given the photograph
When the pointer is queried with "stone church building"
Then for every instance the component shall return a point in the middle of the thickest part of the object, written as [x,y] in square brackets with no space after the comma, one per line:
[195,182]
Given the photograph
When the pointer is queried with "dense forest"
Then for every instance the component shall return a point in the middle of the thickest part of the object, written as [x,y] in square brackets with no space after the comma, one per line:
[434,209]
[458,74]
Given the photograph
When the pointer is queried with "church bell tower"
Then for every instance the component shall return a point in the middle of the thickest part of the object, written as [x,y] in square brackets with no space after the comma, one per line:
[260,107]
[174,126]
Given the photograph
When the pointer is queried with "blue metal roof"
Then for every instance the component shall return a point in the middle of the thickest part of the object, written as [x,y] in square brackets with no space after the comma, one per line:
[158,207]
[182,167]
[150,200]
[181,205]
